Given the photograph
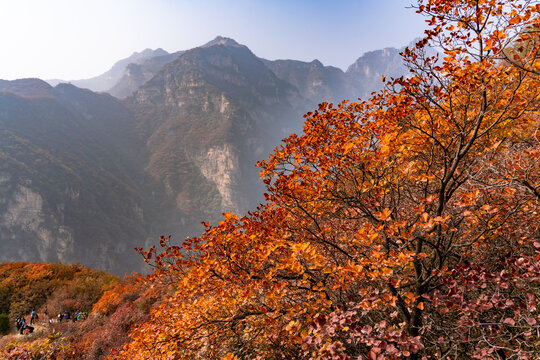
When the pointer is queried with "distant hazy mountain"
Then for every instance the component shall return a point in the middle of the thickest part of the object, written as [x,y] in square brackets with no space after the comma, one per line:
[314,81]
[136,74]
[27,88]
[108,79]
[86,177]
[365,74]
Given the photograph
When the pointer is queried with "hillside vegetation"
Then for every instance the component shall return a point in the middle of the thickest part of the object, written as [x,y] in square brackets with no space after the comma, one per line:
[102,309]
[57,287]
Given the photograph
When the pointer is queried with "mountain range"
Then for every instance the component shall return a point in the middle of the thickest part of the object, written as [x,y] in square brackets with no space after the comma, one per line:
[92,168]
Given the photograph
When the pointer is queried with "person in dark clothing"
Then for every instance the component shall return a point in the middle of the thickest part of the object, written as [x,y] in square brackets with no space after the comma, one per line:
[25,327]
[20,321]
[33,316]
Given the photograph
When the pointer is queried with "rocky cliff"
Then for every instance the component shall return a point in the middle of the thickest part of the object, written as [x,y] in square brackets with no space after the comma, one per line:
[206,119]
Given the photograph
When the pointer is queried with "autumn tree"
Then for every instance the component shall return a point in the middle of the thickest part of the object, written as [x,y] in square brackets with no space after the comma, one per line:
[404,226]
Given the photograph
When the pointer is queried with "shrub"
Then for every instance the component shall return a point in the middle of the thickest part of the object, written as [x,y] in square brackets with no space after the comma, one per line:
[4,324]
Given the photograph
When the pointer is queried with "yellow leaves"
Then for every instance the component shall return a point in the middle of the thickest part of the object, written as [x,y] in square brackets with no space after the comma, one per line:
[328,270]
[386,146]
[404,258]
[293,327]
[499,34]
[318,287]
[373,236]
[386,272]
[365,237]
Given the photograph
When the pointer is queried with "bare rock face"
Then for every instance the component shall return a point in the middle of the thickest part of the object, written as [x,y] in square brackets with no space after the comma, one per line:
[25,217]
[25,210]
[221,165]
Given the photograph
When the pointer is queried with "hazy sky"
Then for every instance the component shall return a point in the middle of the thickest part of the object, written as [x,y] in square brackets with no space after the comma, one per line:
[75,39]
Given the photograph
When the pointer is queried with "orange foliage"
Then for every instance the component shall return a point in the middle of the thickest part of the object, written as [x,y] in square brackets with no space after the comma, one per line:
[112,298]
[56,286]
[123,304]
[49,347]
[402,226]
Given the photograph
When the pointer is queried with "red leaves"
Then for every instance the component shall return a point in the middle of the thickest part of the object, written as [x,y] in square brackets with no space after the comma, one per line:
[509,321]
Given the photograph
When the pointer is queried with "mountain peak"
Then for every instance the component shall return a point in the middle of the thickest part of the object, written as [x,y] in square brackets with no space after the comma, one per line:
[220,40]
[147,53]
[29,88]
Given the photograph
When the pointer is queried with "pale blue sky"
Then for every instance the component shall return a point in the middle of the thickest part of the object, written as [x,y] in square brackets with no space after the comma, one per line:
[75,39]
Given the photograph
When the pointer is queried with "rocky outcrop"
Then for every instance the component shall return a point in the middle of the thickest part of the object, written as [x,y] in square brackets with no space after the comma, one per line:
[137,73]
[221,165]
[24,217]
[210,115]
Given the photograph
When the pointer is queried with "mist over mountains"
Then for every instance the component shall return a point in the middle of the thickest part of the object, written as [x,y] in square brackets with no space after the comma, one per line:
[91,169]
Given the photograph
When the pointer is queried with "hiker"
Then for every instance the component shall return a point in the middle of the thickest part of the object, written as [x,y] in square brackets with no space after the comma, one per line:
[59,317]
[20,321]
[33,316]
[25,327]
